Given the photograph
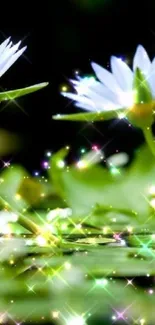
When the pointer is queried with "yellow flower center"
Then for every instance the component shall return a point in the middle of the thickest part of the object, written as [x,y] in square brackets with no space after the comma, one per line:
[141,114]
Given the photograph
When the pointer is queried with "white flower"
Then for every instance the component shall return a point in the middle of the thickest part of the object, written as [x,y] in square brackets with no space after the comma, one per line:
[114,90]
[9,54]
[59,213]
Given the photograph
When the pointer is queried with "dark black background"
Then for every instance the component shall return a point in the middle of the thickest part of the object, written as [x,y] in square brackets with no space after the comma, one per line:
[66,36]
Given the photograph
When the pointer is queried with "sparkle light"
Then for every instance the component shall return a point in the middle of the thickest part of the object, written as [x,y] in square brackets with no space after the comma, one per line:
[101,282]
[81,164]
[95,148]
[48,154]
[61,164]
[6,164]
[117,236]
[79,320]
[18,197]
[130,229]
[152,203]
[129,282]
[64,88]
[67,266]
[114,171]
[152,190]
[83,150]
[121,116]
[151,292]
[41,241]
[79,226]
[31,288]
[120,315]
[45,164]
[55,314]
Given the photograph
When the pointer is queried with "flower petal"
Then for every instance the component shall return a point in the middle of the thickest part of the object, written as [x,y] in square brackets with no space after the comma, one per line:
[97,92]
[122,73]
[100,107]
[7,53]
[141,60]
[108,94]
[85,106]
[78,98]
[106,77]
[11,61]
[93,103]
[4,44]
[151,77]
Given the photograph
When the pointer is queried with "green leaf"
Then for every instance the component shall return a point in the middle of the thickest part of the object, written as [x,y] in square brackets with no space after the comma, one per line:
[100,259]
[57,166]
[95,240]
[126,191]
[12,94]
[10,182]
[92,116]
[141,87]
[92,273]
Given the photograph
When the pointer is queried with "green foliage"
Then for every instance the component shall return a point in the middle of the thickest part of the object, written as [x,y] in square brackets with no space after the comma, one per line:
[76,278]
[13,94]
[126,191]
[19,190]
[91,263]
[141,88]
[91,116]
[11,180]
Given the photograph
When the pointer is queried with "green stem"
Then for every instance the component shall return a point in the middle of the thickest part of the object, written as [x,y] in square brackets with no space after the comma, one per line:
[35,229]
[29,225]
[149,139]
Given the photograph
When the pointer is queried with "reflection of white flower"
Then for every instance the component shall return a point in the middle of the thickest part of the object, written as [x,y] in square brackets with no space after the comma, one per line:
[59,213]
[115,89]
[117,160]
[12,248]
[9,54]
[5,219]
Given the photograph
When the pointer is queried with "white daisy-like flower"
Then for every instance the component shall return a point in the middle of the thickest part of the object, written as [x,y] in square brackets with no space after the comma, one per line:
[114,89]
[123,92]
[9,54]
